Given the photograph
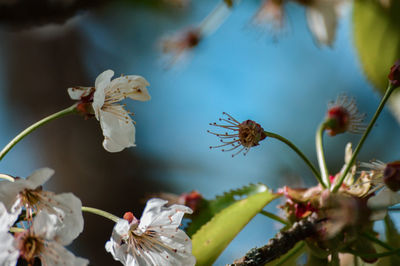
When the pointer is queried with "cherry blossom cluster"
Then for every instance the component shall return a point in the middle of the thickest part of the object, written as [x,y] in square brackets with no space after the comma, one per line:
[36,225]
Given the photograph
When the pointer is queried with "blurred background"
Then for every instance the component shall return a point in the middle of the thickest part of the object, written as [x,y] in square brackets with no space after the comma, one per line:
[282,80]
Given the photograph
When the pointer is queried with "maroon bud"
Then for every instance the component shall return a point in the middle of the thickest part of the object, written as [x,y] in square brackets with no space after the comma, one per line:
[192,200]
[391,175]
[394,75]
[338,120]
[343,116]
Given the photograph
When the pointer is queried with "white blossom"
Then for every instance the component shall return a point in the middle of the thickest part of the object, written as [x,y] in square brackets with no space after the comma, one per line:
[155,239]
[28,193]
[8,254]
[117,125]
[41,241]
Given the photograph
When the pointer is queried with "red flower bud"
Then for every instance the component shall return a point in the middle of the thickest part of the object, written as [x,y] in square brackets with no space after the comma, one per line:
[343,116]
[394,75]
[391,175]
[192,200]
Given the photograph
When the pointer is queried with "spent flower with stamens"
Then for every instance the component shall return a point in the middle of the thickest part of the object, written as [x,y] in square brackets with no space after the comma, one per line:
[343,116]
[270,12]
[180,43]
[155,239]
[102,101]
[243,136]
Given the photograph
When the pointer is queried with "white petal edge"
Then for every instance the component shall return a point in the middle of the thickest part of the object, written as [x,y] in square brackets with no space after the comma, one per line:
[385,198]
[132,86]
[322,21]
[118,134]
[39,177]
[102,82]
[76,93]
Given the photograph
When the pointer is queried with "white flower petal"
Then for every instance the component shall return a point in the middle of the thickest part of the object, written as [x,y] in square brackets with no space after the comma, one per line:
[101,84]
[70,222]
[322,20]
[55,254]
[8,253]
[118,133]
[132,86]
[156,215]
[6,219]
[162,243]
[9,190]
[39,177]
[44,225]
[76,93]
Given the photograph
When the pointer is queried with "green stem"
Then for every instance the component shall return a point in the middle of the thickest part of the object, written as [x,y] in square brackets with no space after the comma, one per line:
[375,255]
[7,177]
[297,150]
[274,217]
[355,260]
[321,157]
[388,92]
[377,241]
[20,136]
[102,213]
[291,253]
[335,261]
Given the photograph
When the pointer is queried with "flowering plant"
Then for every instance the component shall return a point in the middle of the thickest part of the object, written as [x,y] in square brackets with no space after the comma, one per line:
[328,222]
[334,218]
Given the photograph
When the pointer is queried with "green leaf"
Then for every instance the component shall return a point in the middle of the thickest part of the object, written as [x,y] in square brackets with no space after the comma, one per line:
[316,261]
[209,208]
[213,237]
[377,39]
[393,239]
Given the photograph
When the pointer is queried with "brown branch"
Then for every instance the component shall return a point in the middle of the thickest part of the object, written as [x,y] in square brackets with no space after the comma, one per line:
[280,244]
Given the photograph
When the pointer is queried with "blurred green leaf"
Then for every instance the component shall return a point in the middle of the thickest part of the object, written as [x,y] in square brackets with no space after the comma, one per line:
[209,208]
[377,39]
[316,261]
[212,238]
[393,239]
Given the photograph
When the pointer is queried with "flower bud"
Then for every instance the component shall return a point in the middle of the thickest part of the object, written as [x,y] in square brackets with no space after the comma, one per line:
[343,116]
[130,217]
[391,175]
[394,75]
[192,200]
